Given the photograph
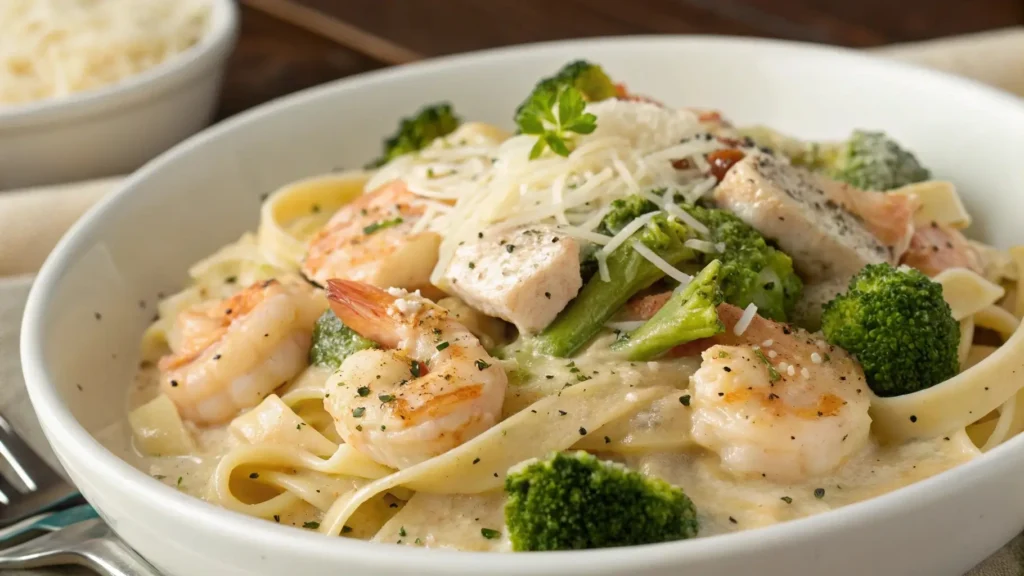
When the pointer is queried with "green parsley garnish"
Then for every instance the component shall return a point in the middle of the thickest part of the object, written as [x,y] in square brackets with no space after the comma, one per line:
[415,370]
[386,398]
[684,399]
[553,128]
[382,225]
[442,346]
[490,534]
[358,412]
[311,525]
[481,365]
[786,499]
[773,374]
[401,531]
[363,391]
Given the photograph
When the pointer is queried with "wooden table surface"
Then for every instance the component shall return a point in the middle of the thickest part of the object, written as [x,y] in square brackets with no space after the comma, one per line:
[275,58]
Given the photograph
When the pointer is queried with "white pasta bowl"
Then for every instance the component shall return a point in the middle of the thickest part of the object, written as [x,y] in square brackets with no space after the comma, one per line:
[117,128]
[95,295]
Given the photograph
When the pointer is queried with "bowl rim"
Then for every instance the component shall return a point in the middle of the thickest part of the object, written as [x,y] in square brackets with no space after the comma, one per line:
[63,429]
[198,58]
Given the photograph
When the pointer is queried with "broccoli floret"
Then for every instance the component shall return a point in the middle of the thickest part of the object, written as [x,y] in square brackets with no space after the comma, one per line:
[416,132]
[873,161]
[333,342]
[589,79]
[576,502]
[623,211]
[629,272]
[752,271]
[897,325]
[689,314]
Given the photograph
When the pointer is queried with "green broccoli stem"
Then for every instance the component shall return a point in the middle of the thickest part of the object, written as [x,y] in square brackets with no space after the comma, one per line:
[688,315]
[598,300]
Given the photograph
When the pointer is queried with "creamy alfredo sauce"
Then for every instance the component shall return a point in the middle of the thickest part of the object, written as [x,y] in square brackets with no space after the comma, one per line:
[653,439]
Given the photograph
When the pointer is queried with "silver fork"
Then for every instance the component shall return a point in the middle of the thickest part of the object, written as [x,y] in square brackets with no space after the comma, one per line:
[48,523]
[42,489]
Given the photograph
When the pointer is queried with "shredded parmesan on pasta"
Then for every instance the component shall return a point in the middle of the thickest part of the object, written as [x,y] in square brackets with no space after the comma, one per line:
[625,326]
[702,246]
[744,322]
[662,265]
[626,232]
[489,182]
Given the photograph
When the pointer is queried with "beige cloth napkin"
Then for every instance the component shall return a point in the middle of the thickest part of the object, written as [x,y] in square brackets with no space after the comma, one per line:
[31,222]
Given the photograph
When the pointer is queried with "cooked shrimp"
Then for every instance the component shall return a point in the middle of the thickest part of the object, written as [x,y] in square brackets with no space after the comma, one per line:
[227,355]
[370,240]
[432,389]
[937,247]
[777,402]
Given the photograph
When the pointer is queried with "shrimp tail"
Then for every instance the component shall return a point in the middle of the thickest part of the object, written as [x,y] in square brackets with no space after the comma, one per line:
[364,309]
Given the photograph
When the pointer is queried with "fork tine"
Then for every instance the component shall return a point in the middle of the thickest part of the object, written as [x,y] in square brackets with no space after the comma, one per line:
[8,493]
[30,468]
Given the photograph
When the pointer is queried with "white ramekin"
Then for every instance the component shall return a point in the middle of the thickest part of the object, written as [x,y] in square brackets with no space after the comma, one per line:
[115,129]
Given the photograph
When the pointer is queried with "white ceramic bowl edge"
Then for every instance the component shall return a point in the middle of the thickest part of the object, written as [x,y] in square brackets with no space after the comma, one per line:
[206,191]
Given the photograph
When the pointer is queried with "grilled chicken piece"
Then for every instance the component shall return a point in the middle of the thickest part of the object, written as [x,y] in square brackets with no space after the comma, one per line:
[526,275]
[830,230]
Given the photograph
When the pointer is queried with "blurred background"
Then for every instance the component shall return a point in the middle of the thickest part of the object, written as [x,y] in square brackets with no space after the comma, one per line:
[284,44]
[142,76]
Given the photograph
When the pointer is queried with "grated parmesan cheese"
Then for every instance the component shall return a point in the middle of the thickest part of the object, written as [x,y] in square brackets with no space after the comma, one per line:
[745,319]
[685,218]
[627,231]
[662,265]
[52,48]
[627,326]
[488,182]
[602,267]
[701,246]
[408,306]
